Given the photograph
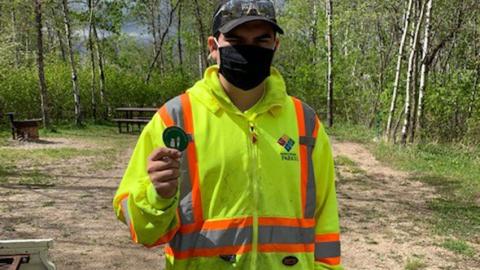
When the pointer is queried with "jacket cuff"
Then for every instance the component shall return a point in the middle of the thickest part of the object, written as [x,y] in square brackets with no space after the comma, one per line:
[156,201]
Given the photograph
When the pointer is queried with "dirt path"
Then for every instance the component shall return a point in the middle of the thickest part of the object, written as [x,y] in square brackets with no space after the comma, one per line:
[77,213]
[383,217]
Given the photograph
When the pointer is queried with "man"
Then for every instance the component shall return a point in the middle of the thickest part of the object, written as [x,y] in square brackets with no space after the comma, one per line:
[255,187]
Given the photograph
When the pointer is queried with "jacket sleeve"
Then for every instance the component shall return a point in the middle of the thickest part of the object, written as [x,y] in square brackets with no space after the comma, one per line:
[327,231]
[152,220]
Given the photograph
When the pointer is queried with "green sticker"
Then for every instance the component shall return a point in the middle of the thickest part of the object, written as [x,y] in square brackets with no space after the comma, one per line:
[175,137]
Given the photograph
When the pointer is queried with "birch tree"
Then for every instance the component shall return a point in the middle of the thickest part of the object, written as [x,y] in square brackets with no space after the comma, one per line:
[424,68]
[92,59]
[76,90]
[410,71]
[40,65]
[398,70]
[329,37]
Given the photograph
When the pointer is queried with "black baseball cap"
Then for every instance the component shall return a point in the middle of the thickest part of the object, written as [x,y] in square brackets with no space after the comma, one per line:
[232,13]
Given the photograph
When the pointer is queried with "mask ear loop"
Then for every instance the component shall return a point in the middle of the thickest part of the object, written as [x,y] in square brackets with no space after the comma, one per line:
[216,42]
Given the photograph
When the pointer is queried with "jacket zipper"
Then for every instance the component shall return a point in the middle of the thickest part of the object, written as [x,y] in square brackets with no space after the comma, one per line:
[254,178]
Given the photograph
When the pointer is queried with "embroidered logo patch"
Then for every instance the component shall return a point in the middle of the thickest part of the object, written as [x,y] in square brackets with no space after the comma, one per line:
[286,142]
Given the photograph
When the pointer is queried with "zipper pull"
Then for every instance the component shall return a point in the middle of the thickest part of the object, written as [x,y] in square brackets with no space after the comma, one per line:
[253,132]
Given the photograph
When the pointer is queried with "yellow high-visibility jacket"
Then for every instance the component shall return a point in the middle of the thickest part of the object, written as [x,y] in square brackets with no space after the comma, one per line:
[256,190]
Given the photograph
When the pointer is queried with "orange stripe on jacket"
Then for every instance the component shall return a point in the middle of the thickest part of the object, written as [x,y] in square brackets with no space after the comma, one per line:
[330,261]
[208,252]
[329,237]
[303,151]
[192,158]
[167,119]
[296,248]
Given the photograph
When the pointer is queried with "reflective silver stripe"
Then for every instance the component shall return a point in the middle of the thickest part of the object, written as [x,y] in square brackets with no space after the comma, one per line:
[212,239]
[308,141]
[310,118]
[311,188]
[285,235]
[327,250]
[126,215]
[174,108]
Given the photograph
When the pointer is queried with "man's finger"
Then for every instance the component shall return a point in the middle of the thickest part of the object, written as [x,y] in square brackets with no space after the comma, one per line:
[165,175]
[156,166]
[164,152]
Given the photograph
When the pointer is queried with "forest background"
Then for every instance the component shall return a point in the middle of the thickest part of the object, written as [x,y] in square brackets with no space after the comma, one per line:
[407,69]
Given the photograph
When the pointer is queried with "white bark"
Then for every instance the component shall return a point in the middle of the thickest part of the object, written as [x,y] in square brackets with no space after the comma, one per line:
[76,90]
[398,70]
[40,65]
[408,95]
[424,69]
[329,11]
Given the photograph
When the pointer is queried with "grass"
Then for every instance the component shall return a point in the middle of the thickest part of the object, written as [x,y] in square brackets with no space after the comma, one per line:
[30,166]
[415,264]
[349,165]
[453,169]
[353,133]
[459,247]
[455,173]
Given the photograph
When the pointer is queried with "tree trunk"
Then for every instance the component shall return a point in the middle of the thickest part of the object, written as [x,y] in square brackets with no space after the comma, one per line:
[398,70]
[473,96]
[424,71]
[40,65]
[162,41]
[413,112]
[92,60]
[202,40]
[15,38]
[179,38]
[76,91]
[61,44]
[329,13]
[103,98]
[408,94]
[397,125]
[155,22]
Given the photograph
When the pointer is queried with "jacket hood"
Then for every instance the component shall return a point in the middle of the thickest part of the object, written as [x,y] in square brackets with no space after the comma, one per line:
[211,93]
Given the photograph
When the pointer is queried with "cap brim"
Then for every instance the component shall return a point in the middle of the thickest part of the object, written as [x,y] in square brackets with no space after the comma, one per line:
[237,22]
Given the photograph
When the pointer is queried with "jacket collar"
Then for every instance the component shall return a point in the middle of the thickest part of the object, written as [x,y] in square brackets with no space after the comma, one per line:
[211,93]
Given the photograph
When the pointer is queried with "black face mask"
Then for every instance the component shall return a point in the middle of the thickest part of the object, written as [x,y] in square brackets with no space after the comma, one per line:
[245,66]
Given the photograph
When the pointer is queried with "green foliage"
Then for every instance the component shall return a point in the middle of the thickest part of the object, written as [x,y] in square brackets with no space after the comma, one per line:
[20,92]
[366,39]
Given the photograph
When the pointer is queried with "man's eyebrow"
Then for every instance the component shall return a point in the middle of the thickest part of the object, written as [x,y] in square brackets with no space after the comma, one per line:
[264,36]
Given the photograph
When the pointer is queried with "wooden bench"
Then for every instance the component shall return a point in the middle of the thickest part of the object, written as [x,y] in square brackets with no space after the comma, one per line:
[25,254]
[133,116]
[24,130]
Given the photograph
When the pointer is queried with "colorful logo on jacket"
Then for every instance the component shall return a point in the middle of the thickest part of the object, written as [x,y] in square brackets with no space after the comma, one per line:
[286,143]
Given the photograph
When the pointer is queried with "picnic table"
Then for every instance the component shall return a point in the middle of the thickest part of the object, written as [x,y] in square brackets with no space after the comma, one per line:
[24,130]
[133,116]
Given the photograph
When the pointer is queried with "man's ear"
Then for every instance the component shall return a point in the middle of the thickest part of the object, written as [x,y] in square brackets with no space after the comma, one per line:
[212,48]
[277,44]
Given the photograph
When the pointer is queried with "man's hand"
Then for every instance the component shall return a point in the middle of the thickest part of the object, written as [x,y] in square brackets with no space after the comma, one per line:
[163,169]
